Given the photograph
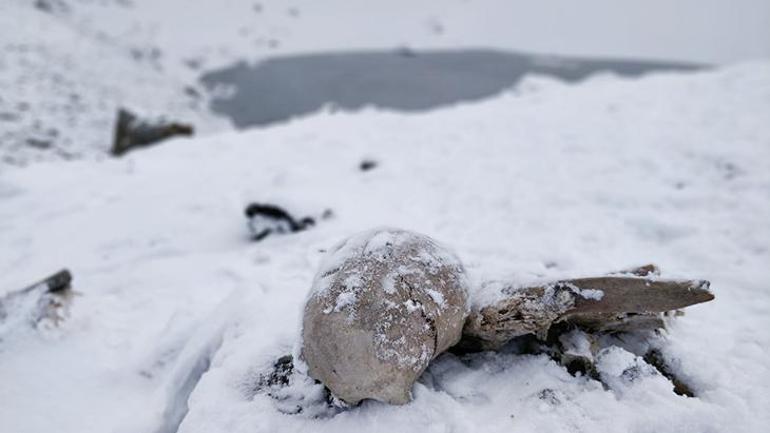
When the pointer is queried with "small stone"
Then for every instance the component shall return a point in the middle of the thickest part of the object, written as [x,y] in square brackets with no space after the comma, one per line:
[367,165]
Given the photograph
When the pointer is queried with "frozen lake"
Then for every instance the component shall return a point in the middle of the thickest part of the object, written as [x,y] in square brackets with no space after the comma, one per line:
[280,88]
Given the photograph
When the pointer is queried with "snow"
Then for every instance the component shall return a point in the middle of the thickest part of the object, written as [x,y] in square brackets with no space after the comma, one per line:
[548,181]
[595,294]
[343,300]
[388,283]
[623,372]
[437,297]
[576,343]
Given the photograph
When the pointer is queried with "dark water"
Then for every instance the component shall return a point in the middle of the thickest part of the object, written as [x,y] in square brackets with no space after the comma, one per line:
[284,87]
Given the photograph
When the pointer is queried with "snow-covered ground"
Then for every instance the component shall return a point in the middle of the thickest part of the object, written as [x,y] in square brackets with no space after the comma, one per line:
[548,180]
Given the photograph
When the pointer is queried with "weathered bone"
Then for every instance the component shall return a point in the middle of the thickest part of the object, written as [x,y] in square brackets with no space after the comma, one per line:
[638,295]
[595,302]
[618,322]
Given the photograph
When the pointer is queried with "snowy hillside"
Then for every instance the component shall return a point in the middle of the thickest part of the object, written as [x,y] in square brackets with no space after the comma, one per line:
[63,80]
[179,313]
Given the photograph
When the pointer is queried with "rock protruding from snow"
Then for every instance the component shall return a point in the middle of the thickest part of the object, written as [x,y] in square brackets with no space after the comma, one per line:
[132,132]
[265,219]
[383,304]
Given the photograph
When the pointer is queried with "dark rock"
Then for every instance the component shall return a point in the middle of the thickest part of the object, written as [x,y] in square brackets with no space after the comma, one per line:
[367,165]
[266,219]
[52,6]
[294,393]
[279,375]
[131,132]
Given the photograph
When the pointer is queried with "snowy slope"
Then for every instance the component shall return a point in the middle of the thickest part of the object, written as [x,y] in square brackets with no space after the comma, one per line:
[63,81]
[550,180]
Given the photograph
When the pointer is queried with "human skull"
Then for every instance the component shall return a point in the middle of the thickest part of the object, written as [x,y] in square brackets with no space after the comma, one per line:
[383,304]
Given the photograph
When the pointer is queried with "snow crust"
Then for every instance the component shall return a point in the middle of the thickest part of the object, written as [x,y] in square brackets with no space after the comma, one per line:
[547,182]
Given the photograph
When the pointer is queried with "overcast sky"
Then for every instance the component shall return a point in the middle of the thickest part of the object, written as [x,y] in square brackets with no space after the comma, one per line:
[700,30]
[708,31]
